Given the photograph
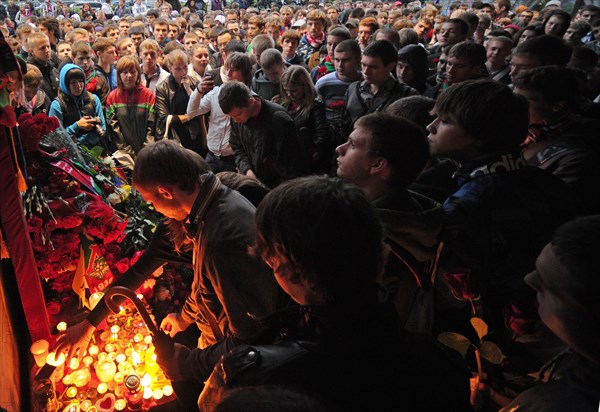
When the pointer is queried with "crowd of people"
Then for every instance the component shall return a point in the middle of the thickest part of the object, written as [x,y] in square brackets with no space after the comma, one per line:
[397,171]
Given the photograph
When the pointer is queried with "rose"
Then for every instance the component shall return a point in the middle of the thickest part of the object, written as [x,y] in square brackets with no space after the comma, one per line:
[462,284]
[122,265]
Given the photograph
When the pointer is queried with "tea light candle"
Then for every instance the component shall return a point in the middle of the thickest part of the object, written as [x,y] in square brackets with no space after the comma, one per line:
[148,340]
[81,377]
[92,393]
[138,338]
[39,350]
[93,350]
[147,393]
[74,363]
[72,407]
[125,368]
[85,405]
[119,377]
[52,360]
[87,361]
[157,393]
[102,388]
[71,392]
[120,405]
[66,380]
[105,370]
[167,390]
[109,347]
[121,358]
[61,327]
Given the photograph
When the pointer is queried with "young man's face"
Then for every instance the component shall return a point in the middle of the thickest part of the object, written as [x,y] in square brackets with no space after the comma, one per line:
[405,72]
[274,73]
[555,25]
[234,27]
[374,71]
[149,59]
[108,55]
[112,35]
[333,15]
[497,51]
[450,34]
[274,32]
[41,50]
[382,20]
[520,62]
[83,60]
[76,87]
[67,26]
[354,161]
[289,46]
[346,65]
[64,51]
[127,48]
[572,35]
[189,43]
[240,114]
[160,33]
[123,28]
[460,69]
[137,39]
[447,138]
[364,35]
[421,28]
[588,15]
[169,206]
[173,32]
[30,90]
[253,30]
[150,18]
[222,41]
[314,27]
[526,16]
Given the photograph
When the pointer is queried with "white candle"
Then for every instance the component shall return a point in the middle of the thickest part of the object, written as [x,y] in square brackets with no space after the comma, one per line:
[61,327]
[102,388]
[168,390]
[39,350]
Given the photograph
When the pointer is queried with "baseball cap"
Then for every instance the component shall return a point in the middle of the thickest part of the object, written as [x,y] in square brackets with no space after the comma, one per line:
[220,18]
[553,3]
[352,23]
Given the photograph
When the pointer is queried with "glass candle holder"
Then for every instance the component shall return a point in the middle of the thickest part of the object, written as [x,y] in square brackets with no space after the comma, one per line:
[39,350]
[105,370]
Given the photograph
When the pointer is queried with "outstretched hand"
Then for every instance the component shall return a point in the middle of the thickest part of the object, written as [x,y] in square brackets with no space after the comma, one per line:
[75,340]
[172,324]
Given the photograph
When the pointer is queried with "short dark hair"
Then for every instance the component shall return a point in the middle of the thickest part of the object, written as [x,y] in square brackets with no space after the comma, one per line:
[414,108]
[168,163]
[303,217]
[488,111]
[234,94]
[547,49]
[350,46]
[464,26]
[555,83]
[474,52]
[383,49]
[398,140]
[341,32]
[235,46]
[566,17]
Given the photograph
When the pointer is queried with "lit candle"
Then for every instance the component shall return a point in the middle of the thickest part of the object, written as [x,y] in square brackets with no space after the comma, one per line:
[81,377]
[52,360]
[121,358]
[157,393]
[147,393]
[102,388]
[66,380]
[125,368]
[146,381]
[167,390]
[109,347]
[114,329]
[61,327]
[87,361]
[120,405]
[93,350]
[72,407]
[74,363]
[138,337]
[148,340]
[71,392]
[85,405]
[39,350]
[102,356]
[105,370]
[119,377]
[95,298]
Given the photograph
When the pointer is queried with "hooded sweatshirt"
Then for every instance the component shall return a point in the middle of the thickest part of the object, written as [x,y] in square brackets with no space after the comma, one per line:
[69,109]
[416,57]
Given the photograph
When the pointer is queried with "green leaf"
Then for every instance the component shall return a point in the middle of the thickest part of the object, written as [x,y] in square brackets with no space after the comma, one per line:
[480,327]
[96,151]
[455,341]
[490,351]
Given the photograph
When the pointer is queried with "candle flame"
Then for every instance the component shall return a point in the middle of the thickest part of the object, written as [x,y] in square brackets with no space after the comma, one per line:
[146,380]
[135,357]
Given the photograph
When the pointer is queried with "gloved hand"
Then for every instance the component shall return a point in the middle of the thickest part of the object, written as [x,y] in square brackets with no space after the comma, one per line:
[164,346]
